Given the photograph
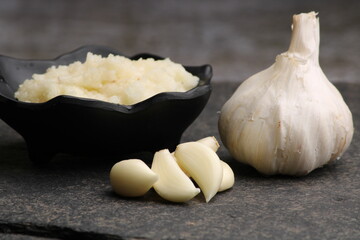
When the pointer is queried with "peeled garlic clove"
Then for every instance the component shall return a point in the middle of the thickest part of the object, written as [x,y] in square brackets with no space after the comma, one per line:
[202,164]
[288,119]
[132,178]
[173,185]
[184,170]
[228,178]
[211,142]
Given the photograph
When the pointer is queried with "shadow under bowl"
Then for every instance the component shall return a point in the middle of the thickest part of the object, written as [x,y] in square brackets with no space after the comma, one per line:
[67,124]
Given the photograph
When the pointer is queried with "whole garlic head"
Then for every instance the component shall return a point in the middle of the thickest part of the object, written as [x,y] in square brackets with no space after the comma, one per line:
[288,119]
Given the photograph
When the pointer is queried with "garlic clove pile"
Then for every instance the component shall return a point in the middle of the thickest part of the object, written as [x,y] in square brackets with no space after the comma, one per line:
[132,178]
[203,165]
[170,174]
[173,184]
[288,119]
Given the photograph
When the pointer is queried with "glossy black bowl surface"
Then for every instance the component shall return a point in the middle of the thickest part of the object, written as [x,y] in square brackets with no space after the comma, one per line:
[67,124]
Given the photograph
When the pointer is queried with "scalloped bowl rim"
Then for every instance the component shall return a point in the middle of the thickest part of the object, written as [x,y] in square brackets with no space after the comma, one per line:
[89,102]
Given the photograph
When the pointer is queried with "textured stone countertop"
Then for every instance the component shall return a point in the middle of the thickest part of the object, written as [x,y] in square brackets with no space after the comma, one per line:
[71,197]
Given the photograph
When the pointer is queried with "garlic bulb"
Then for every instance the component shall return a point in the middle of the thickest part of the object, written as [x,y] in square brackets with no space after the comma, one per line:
[288,119]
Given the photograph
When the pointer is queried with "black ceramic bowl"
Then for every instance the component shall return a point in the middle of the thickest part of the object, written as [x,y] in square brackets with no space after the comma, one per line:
[67,124]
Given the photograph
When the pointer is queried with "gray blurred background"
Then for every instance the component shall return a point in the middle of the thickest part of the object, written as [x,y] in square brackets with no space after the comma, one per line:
[239,38]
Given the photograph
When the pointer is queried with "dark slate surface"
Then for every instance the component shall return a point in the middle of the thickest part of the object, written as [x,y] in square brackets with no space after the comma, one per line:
[71,197]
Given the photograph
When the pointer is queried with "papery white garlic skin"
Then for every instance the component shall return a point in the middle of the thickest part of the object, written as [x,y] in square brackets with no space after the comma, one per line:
[288,119]
[173,184]
[132,178]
